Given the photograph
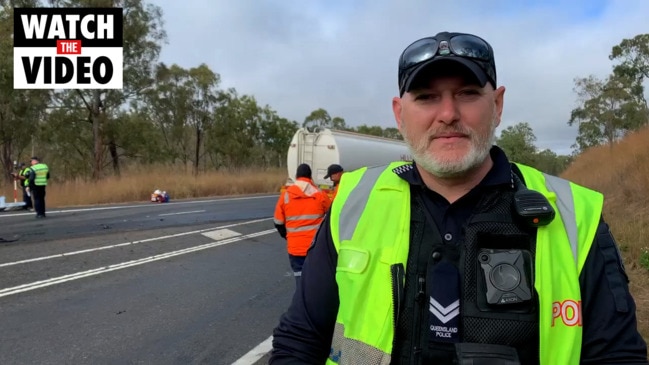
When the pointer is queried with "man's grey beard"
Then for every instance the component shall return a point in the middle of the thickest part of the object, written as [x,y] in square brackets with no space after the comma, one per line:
[480,147]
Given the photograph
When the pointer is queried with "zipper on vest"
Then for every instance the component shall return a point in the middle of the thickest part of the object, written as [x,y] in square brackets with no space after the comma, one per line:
[397,273]
[420,301]
[421,290]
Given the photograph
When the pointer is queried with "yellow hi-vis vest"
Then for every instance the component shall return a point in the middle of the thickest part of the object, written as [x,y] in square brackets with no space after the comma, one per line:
[25,172]
[40,172]
[370,227]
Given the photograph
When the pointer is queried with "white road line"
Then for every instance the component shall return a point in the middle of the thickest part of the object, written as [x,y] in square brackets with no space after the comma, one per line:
[138,206]
[124,265]
[257,353]
[127,243]
[190,212]
[221,234]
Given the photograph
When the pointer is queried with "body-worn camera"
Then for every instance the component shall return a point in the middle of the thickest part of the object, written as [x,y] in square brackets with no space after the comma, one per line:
[507,275]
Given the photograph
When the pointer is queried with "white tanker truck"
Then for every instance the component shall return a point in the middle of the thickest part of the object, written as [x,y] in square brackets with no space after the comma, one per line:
[350,150]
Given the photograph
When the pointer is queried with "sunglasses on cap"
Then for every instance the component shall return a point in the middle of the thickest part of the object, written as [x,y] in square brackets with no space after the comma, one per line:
[467,46]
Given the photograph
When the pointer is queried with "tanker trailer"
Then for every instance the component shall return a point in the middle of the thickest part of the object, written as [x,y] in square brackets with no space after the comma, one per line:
[324,147]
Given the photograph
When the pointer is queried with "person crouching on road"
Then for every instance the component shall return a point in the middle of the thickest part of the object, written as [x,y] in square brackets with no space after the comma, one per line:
[298,213]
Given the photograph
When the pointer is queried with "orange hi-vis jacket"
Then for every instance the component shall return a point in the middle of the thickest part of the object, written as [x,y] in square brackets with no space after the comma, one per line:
[301,209]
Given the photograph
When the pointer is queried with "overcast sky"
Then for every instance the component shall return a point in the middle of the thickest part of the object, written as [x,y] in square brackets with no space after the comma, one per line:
[341,55]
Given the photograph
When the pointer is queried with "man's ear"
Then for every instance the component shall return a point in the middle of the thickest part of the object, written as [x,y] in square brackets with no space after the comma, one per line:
[396,109]
[499,100]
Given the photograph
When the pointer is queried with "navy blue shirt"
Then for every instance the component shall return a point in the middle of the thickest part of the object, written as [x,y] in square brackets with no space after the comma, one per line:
[450,217]
[610,336]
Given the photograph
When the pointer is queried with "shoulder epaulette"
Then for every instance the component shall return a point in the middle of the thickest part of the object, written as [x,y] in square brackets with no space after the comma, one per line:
[399,170]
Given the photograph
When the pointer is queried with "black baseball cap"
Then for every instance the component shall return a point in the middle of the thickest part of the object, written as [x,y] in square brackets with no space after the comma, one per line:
[333,169]
[444,52]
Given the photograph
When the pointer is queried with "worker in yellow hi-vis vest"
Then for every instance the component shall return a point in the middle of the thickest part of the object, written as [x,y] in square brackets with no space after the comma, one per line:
[38,176]
[22,177]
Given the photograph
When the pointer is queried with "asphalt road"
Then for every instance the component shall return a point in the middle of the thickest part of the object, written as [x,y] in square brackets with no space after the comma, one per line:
[186,282]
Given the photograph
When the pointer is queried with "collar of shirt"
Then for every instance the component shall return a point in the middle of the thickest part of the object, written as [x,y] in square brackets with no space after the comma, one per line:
[500,173]
[449,218]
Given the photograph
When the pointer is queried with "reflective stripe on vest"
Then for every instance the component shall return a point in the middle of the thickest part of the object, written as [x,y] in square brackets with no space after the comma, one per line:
[40,172]
[301,213]
[368,198]
[316,219]
[369,217]
[561,251]
[307,217]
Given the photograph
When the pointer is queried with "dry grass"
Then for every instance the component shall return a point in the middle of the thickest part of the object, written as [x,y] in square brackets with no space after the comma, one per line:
[621,172]
[137,185]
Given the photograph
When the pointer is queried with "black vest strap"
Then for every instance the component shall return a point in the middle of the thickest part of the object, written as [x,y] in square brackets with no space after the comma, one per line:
[510,328]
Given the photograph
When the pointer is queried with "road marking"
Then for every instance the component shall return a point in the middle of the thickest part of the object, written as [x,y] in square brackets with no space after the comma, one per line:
[127,243]
[138,206]
[221,234]
[257,353]
[124,265]
[190,212]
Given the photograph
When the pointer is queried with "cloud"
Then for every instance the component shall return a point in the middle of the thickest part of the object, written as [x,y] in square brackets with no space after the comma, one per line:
[341,55]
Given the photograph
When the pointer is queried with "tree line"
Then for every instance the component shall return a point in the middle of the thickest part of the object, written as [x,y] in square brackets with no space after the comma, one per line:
[608,109]
[171,115]
[611,107]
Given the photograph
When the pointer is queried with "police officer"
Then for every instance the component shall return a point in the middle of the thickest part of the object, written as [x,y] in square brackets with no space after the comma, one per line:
[39,174]
[23,178]
[460,257]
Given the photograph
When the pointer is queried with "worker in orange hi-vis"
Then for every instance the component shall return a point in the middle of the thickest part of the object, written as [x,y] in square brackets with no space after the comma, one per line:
[299,211]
